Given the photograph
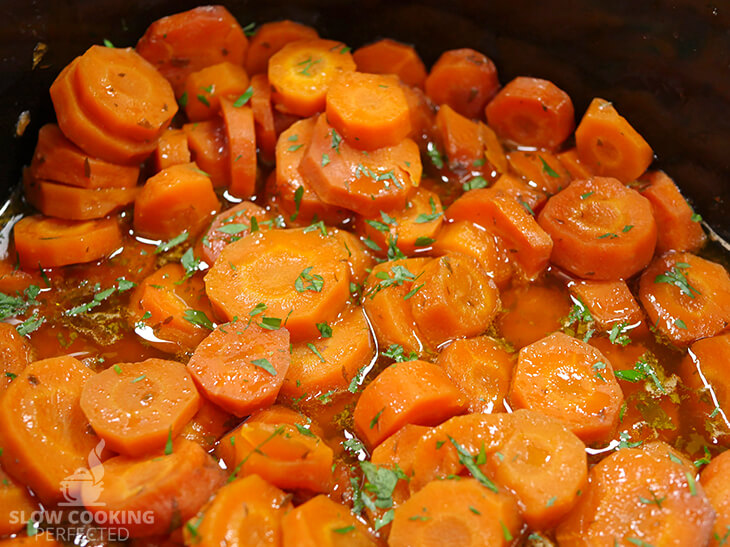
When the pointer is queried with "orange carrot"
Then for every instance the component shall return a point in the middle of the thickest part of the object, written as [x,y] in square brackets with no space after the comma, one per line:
[609,302]
[14,500]
[715,480]
[525,192]
[16,353]
[358,256]
[172,149]
[461,138]
[270,38]
[14,279]
[241,133]
[390,57]
[209,149]
[542,170]
[205,88]
[577,169]
[421,111]
[600,229]
[464,79]
[609,146]
[208,425]
[263,116]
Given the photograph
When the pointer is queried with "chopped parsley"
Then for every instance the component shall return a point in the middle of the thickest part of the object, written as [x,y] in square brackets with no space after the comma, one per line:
[264,364]
[474,183]
[244,98]
[198,317]
[676,276]
[309,282]
[467,460]
[547,169]
[175,241]
[398,354]
[424,218]
[435,155]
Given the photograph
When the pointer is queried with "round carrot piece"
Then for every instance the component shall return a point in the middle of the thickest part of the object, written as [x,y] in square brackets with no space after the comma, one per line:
[453,298]
[525,192]
[461,138]
[205,88]
[263,116]
[414,392]
[241,148]
[137,407]
[562,377]
[301,72]
[464,79]
[301,277]
[390,57]
[532,112]
[686,297]
[369,110]
[16,353]
[172,149]
[14,499]
[609,302]
[600,229]
[168,487]
[44,435]
[50,242]
[481,369]
[270,38]
[542,170]
[209,149]
[177,199]
[715,480]
[656,502]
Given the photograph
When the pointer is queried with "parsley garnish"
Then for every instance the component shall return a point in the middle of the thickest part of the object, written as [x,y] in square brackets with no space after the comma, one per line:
[168,445]
[336,140]
[264,364]
[467,460]
[474,183]
[31,324]
[398,354]
[177,240]
[547,169]
[197,317]
[314,350]
[298,195]
[424,218]
[676,277]
[345,530]
[244,98]
[309,282]
[190,262]
[11,306]
[325,330]
[435,155]
[107,43]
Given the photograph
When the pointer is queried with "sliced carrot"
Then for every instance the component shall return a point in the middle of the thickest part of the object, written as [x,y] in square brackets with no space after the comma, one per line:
[248,511]
[49,242]
[679,229]
[240,129]
[501,214]
[14,279]
[526,192]
[461,138]
[390,57]
[464,79]
[208,425]
[414,392]
[44,435]
[609,146]
[715,480]
[577,169]
[41,539]
[208,145]
[263,116]
[656,502]
[172,149]
[180,44]
[16,353]
[167,309]
[600,228]
[14,500]
[481,369]
[177,199]
[300,276]
[366,182]
[301,72]
[205,88]
[609,302]
[453,298]
[532,112]
[399,450]
[421,111]
[59,160]
[172,485]
[686,297]
[542,170]
[270,38]
[138,407]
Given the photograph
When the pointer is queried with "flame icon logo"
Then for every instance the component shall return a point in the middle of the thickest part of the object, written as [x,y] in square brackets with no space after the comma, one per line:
[89,479]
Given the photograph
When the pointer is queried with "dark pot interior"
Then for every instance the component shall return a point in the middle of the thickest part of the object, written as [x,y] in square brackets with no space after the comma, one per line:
[665,64]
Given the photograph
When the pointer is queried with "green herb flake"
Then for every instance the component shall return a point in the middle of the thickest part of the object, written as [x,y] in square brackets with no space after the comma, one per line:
[298,195]
[294,148]
[174,242]
[168,444]
[586,195]
[307,281]
[138,378]
[424,218]
[203,99]
[304,431]
[197,317]
[264,364]
[250,29]
[376,418]
[676,276]
[680,324]
[325,160]
[608,235]
[547,169]
[244,98]
[183,101]
[424,241]
[107,43]
[314,350]
[475,183]
[505,532]
[324,330]
[345,530]
[435,155]
[32,324]
[467,460]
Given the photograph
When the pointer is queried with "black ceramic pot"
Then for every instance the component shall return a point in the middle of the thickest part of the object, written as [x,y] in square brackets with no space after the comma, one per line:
[664,63]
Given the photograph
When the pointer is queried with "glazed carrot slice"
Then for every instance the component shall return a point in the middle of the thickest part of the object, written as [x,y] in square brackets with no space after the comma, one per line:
[59,160]
[208,425]
[577,169]
[14,279]
[49,242]
[715,479]
[494,151]
[177,199]
[270,38]
[530,246]
[464,79]
[421,111]
[263,116]
[330,362]
[369,110]
[183,43]
[563,377]
[16,353]
[241,134]
[43,431]
[242,512]
[172,149]
[359,258]
[541,170]
[366,182]
[209,149]
[122,92]
[686,297]
[300,276]
[41,539]
[481,369]
[453,298]
[301,72]
[461,138]
[600,228]
[205,88]
[168,310]
[399,450]
[532,112]
[609,146]
[609,302]
[679,229]
[526,192]
[390,57]
[414,392]
[14,500]
[172,484]
[138,407]
[460,512]
[656,502]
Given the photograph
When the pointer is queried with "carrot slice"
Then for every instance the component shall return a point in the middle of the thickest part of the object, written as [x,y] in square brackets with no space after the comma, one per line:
[715,479]
[453,298]
[169,486]
[532,112]
[122,92]
[542,170]
[14,500]
[656,502]
[263,116]
[686,297]
[16,353]
[577,169]
[600,229]
[481,369]
[464,79]
[399,450]
[526,192]
[241,134]
[205,88]
[208,425]
[421,111]
[390,57]
[358,256]
[369,110]
[172,149]
[300,276]
[49,242]
[248,511]
[461,138]
[207,142]
[183,43]
[270,38]
[59,160]
[177,199]
[366,182]
[609,146]
[679,229]
[494,151]
[414,392]
[43,431]
[609,302]
[138,407]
